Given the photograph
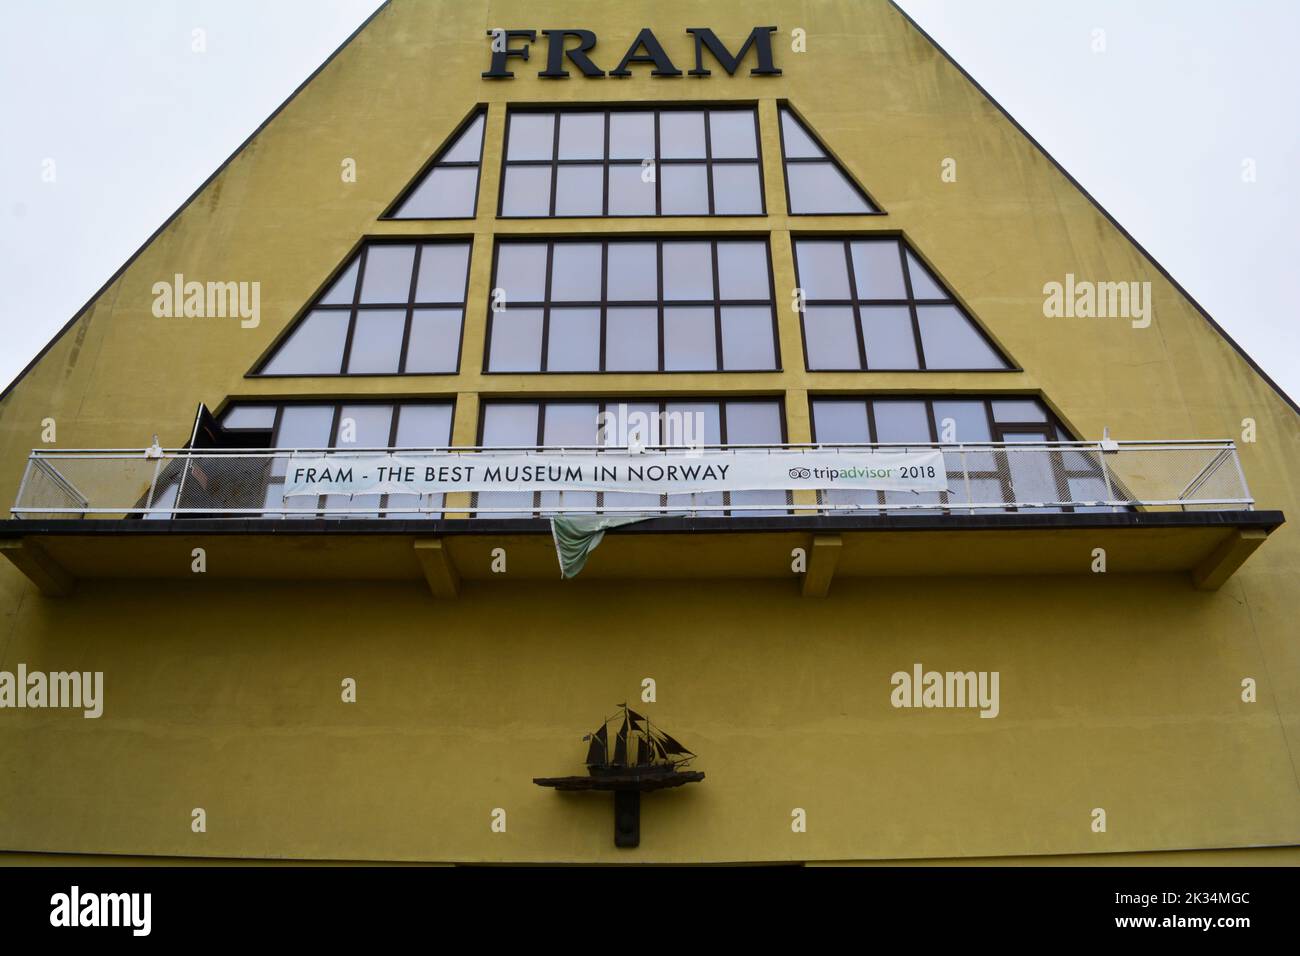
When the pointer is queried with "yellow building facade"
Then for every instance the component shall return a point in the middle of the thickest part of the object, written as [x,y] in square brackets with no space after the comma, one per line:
[354,688]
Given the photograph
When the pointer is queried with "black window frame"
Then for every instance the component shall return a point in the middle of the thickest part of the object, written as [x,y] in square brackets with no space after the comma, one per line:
[353,308]
[397,404]
[658,109]
[436,162]
[602,402]
[659,303]
[911,302]
[829,159]
[1050,427]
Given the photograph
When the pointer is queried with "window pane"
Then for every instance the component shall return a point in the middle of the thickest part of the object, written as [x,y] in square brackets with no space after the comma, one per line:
[580,191]
[685,190]
[387,276]
[1019,410]
[691,423]
[570,424]
[466,148]
[366,425]
[681,135]
[742,270]
[435,341]
[341,292]
[878,270]
[574,342]
[510,424]
[622,421]
[443,269]
[260,417]
[628,194]
[516,344]
[631,340]
[923,284]
[631,136]
[527,192]
[821,188]
[688,270]
[823,273]
[753,423]
[521,271]
[901,421]
[690,340]
[445,193]
[798,144]
[314,348]
[582,136]
[736,190]
[377,341]
[575,272]
[951,341]
[532,136]
[732,134]
[887,332]
[633,272]
[831,339]
[420,426]
[970,422]
[841,422]
[304,426]
[747,338]
[423,426]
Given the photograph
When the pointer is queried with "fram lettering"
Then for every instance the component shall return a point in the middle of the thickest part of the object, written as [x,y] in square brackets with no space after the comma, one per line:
[645,48]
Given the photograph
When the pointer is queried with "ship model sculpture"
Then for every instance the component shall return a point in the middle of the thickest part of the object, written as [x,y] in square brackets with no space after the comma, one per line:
[644,758]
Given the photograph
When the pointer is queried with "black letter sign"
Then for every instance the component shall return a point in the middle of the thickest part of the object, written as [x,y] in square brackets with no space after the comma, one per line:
[555,54]
[760,38]
[498,70]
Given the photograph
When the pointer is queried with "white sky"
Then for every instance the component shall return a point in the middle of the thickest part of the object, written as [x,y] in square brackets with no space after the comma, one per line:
[1156,128]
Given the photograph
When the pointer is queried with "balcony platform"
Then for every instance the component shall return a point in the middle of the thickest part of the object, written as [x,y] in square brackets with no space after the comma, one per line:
[1207,545]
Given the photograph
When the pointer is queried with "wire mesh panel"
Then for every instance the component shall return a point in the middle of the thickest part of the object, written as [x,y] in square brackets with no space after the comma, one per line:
[986,478]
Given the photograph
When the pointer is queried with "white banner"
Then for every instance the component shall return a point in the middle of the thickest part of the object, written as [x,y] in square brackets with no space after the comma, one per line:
[428,473]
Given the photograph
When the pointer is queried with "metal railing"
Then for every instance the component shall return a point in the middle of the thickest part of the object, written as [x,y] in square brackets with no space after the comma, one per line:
[983,478]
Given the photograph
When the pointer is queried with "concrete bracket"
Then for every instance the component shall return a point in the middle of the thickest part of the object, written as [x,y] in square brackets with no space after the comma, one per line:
[50,577]
[1224,560]
[823,556]
[439,569]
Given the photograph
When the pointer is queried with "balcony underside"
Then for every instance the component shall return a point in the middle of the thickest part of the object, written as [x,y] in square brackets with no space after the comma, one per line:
[1208,545]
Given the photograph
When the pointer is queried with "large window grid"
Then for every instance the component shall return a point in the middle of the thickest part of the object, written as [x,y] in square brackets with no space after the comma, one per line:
[373,424]
[577,422]
[869,303]
[653,305]
[590,162]
[991,474]
[396,308]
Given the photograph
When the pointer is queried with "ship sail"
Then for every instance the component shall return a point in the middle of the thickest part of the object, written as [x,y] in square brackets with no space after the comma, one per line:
[671,746]
[620,745]
[598,752]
